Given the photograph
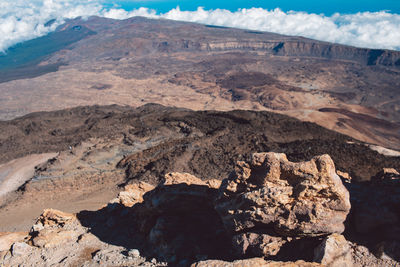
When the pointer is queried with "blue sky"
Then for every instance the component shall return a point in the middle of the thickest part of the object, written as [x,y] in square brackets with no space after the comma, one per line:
[327,7]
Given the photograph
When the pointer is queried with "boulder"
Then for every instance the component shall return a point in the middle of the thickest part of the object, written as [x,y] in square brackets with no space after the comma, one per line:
[21,249]
[54,228]
[334,251]
[47,238]
[284,198]
[51,217]
[133,194]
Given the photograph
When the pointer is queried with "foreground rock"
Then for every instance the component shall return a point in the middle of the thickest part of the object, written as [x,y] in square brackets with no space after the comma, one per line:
[282,199]
[269,212]
[179,221]
[59,239]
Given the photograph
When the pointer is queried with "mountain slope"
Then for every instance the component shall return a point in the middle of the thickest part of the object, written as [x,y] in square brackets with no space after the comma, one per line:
[136,61]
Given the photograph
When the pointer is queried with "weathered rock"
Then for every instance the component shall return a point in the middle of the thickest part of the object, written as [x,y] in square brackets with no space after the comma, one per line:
[51,217]
[189,179]
[133,194]
[54,228]
[257,245]
[50,238]
[284,198]
[21,249]
[334,251]
[345,176]
[254,262]
[7,239]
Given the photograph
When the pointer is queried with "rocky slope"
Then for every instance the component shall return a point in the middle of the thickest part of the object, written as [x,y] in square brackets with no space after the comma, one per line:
[100,149]
[269,212]
[136,61]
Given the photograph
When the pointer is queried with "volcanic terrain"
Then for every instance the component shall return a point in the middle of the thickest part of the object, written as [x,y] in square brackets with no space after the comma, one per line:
[131,62]
[181,144]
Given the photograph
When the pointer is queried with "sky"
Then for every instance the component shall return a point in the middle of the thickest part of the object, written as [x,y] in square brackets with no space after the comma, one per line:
[367,23]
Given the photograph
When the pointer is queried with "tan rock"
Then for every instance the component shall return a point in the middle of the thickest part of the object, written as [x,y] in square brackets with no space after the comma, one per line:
[189,179]
[133,193]
[51,217]
[7,239]
[345,176]
[334,251]
[51,238]
[20,249]
[292,199]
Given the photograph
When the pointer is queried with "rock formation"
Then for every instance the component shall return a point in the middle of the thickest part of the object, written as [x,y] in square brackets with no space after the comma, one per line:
[282,199]
[269,212]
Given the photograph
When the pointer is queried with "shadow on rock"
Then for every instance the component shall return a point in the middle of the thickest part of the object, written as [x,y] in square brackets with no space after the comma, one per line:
[175,223]
[375,215]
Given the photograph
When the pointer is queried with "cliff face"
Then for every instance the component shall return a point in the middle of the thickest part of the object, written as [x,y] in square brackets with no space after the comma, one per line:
[308,48]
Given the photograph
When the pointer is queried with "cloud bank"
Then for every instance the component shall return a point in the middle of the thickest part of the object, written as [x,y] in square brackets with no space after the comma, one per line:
[21,21]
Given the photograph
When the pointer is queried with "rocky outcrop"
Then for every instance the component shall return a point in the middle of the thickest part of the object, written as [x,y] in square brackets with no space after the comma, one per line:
[59,239]
[282,199]
[269,212]
[301,48]
[132,194]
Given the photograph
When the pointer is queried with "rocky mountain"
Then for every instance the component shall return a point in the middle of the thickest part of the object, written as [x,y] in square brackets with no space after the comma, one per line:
[131,62]
[243,205]
[145,142]
[283,213]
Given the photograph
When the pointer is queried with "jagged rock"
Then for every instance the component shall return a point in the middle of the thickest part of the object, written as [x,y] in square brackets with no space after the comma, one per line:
[334,251]
[254,262]
[54,228]
[51,217]
[285,198]
[189,179]
[257,245]
[133,194]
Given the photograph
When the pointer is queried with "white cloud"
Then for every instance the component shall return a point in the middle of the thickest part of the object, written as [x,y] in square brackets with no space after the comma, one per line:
[20,21]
